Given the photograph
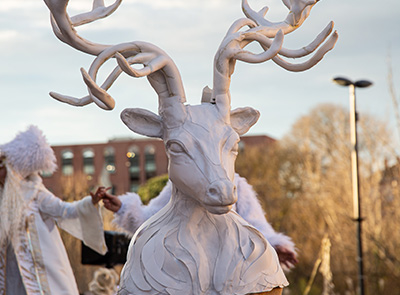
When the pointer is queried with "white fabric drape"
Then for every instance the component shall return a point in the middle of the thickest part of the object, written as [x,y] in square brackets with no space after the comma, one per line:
[40,254]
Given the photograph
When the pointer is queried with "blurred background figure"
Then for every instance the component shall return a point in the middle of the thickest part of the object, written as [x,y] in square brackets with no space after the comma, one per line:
[105,281]
[33,259]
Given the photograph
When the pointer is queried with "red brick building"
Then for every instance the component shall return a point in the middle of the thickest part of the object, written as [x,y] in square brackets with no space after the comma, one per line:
[125,163]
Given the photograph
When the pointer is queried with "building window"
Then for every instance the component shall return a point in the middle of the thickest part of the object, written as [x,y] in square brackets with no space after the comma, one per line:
[150,161]
[241,146]
[88,161]
[109,159]
[67,158]
[133,156]
[46,174]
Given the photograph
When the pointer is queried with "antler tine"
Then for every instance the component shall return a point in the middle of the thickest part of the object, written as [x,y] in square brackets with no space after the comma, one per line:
[237,25]
[266,43]
[99,10]
[63,25]
[151,60]
[159,68]
[98,94]
[154,61]
[269,53]
[299,10]
[255,24]
[328,46]
[78,102]
[268,35]
[306,50]
[230,50]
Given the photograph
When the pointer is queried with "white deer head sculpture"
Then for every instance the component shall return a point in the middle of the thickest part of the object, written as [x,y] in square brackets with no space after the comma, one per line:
[196,244]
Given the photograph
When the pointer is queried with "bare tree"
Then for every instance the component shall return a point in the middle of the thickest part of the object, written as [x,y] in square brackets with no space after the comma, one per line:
[307,192]
[392,91]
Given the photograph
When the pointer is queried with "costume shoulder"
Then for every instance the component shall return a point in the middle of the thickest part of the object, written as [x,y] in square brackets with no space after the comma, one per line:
[249,207]
[33,188]
[133,212]
[130,216]
[248,203]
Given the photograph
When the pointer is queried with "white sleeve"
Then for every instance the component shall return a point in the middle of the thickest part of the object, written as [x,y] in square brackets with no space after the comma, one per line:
[133,213]
[249,207]
[81,218]
[54,207]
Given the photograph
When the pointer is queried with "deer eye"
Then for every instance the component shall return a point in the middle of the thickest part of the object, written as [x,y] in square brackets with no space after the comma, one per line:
[175,147]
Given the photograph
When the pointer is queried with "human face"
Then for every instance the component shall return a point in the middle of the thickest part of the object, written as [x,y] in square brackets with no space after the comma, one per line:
[3,171]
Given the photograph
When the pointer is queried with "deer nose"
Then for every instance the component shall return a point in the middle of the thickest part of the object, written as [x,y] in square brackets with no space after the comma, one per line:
[221,193]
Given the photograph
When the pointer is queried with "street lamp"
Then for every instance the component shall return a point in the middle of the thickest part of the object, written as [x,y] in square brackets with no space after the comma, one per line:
[354,168]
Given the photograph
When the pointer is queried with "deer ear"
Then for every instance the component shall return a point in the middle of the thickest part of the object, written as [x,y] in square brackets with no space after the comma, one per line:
[243,118]
[143,122]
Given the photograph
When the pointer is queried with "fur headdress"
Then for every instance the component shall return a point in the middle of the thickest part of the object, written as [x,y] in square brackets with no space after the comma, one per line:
[29,152]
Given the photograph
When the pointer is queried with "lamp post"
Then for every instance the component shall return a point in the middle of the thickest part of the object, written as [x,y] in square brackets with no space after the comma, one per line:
[354,168]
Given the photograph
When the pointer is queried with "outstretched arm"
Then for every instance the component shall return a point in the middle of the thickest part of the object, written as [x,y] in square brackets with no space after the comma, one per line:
[129,210]
[82,218]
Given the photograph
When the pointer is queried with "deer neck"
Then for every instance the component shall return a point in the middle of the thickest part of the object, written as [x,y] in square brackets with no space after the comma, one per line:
[202,253]
[183,205]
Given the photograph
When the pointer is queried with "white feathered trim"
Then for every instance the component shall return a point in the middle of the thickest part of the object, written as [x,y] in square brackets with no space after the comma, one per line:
[133,213]
[130,216]
[29,152]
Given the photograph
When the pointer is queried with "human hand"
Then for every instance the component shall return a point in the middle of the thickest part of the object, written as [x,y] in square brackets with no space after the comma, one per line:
[286,257]
[99,194]
[111,202]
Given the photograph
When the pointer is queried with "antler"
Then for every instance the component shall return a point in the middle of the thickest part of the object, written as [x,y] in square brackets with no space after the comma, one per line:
[261,31]
[159,68]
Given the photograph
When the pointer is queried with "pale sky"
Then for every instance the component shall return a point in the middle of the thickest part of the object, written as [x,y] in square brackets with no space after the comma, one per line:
[34,62]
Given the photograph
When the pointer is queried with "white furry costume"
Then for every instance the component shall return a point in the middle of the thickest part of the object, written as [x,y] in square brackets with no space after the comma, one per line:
[133,213]
[33,259]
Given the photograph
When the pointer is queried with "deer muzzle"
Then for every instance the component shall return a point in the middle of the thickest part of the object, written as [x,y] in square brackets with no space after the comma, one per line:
[221,195]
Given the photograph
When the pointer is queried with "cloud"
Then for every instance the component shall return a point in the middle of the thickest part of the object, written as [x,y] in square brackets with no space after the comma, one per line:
[35,62]
[14,5]
[8,35]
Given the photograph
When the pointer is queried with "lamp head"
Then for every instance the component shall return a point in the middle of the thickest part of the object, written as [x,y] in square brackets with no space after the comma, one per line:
[363,83]
[342,81]
[346,82]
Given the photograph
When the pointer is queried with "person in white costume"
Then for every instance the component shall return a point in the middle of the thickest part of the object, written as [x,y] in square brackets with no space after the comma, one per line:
[130,213]
[33,259]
